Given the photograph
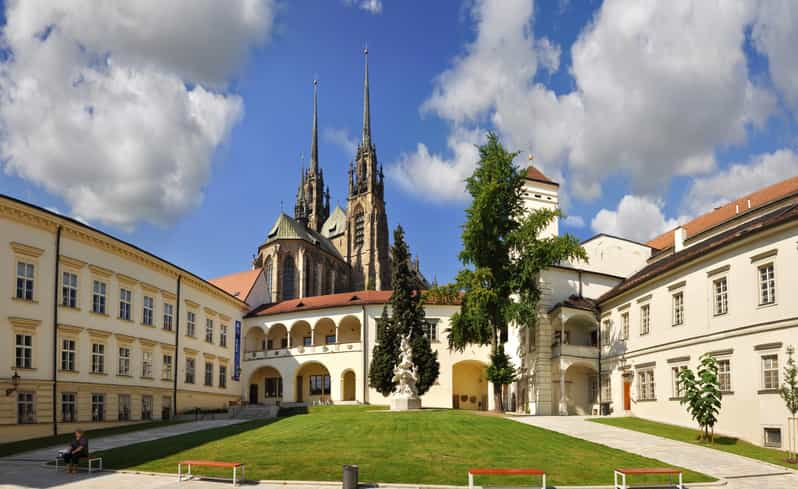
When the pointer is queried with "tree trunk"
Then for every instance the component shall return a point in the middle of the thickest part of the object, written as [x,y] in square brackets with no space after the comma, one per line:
[497,388]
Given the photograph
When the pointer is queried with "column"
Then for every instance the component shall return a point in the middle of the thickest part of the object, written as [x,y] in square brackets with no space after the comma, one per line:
[563,404]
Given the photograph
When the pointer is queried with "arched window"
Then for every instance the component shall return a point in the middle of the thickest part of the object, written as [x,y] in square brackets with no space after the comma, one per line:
[359,227]
[319,277]
[308,276]
[289,278]
[267,272]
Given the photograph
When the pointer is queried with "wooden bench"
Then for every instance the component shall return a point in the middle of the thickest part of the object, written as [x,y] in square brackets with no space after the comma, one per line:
[92,461]
[622,473]
[473,472]
[208,463]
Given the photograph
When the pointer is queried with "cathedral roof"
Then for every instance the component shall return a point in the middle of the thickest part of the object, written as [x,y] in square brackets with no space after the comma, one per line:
[238,284]
[287,228]
[335,224]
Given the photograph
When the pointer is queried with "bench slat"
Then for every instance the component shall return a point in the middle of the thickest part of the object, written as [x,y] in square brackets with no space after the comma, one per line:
[649,471]
[505,472]
[211,463]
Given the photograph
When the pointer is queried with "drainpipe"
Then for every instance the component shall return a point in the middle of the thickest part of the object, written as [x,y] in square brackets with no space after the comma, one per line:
[55,327]
[177,347]
[364,341]
[598,320]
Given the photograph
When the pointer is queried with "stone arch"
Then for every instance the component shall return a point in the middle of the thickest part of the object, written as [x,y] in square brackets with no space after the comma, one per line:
[313,383]
[289,279]
[254,339]
[349,329]
[277,338]
[324,332]
[265,386]
[469,385]
[348,385]
[301,334]
[581,388]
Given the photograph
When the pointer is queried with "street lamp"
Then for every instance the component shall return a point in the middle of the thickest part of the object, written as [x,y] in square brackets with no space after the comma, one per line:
[14,383]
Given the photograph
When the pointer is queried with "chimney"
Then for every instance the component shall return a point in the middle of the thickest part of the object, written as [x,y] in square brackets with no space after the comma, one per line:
[679,235]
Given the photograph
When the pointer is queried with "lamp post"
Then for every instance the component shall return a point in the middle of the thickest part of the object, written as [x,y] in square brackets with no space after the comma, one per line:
[14,383]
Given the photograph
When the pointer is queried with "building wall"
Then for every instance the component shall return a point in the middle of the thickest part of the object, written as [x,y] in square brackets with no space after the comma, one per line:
[743,335]
[614,256]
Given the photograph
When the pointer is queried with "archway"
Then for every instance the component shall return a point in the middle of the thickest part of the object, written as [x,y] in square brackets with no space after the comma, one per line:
[581,389]
[277,338]
[300,334]
[348,386]
[313,384]
[469,385]
[254,340]
[265,386]
[349,330]
[324,332]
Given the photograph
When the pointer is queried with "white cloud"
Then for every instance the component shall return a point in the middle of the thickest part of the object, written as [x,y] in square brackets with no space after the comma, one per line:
[776,36]
[371,6]
[342,139]
[119,107]
[574,221]
[739,180]
[637,218]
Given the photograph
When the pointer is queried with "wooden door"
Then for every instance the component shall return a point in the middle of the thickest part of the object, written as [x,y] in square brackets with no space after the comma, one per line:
[627,396]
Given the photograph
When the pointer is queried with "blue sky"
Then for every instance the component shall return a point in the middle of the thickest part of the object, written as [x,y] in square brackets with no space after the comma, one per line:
[203,190]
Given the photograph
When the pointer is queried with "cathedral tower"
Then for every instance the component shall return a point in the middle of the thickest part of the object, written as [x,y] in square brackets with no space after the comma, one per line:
[367,222]
[316,197]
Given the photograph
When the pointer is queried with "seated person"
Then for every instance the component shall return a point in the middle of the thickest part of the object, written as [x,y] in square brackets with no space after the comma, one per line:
[78,448]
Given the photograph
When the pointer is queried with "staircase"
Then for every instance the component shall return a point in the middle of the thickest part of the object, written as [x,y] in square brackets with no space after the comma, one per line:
[253,411]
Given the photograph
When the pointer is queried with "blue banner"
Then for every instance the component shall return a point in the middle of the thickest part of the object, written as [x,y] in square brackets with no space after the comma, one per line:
[237,354]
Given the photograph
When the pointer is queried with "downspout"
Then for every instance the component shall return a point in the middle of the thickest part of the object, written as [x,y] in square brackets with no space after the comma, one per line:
[598,320]
[55,327]
[177,349]
[365,357]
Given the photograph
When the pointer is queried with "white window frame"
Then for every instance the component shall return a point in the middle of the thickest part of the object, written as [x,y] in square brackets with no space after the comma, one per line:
[209,330]
[223,336]
[123,401]
[720,296]
[677,311]
[99,297]
[26,280]
[606,326]
[28,400]
[208,376]
[98,406]
[645,319]
[769,369]
[125,304]
[23,350]
[123,365]
[68,355]
[69,289]
[146,364]
[168,316]
[676,390]
[765,442]
[191,370]
[431,329]
[730,387]
[625,325]
[147,406]
[646,386]
[166,367]
[223,376]
[191,323]
[69,399]
[766,285]
[148,310]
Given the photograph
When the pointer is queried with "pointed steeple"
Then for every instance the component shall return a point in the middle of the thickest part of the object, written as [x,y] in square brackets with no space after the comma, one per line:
[301,207]
[314,142]
[366,105]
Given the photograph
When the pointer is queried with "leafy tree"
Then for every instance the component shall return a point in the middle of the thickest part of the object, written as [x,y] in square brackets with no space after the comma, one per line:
[408,319]
[503,255]
[789,392]
[501,370]
[702,395]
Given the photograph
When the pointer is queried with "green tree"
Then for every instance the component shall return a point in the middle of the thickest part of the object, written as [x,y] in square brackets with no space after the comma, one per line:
[789,392]
[407,319]
[701,394]
[503,255]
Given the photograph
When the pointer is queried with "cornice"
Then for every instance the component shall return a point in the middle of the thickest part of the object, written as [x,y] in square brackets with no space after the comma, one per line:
[26,324]
[100,271]
[72,262]
[26,250]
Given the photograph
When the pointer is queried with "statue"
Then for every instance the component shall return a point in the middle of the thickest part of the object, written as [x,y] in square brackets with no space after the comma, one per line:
[405,396]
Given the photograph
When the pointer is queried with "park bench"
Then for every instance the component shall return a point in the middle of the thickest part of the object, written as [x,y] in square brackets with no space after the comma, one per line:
[473,472]
[92,461]
[208,463]
[620,474]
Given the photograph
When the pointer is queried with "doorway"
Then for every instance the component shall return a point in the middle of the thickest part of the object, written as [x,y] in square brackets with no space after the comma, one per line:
[627,395]
[253,393]
[299,388]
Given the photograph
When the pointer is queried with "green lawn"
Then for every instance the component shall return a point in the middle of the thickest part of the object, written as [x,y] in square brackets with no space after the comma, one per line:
[16,447]
[687,435]
[430,447]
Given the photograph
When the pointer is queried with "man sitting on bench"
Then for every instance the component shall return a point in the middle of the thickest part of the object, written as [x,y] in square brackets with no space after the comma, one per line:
[78,448]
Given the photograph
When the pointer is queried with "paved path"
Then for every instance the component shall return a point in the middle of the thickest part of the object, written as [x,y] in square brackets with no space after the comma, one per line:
[740,472]
[124,439]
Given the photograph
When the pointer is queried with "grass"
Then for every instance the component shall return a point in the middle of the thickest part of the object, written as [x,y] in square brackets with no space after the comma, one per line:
[688,435]
[17,447]
[427,447]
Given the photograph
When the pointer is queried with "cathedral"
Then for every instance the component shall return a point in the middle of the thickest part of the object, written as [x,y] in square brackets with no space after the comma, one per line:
[320,251]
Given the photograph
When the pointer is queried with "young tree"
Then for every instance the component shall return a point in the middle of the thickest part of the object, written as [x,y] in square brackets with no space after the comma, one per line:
[701,393]
[407,319]
[789,392]
[503,255]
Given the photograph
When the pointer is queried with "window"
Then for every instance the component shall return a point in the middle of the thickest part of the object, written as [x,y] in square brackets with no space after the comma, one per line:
[721,296]
[645,319]
[274,387]
[267,272]
[676,388]
[166,368]
[359,228]
[149,307]
[25,410]
[68,407]
[124,407]
[146,364]
[68,355]
[772,437]
[319,385]
[593,389]
[25,281]
[167,316]
[208,373]
[724,375]
[190,323]
[770,372]
[125,297]
[166,408]
[289,273]
[98,297]
[645,385]
[431,329]
[605,332]
[69,290]
[98,358]
[767,285]
[124,360]
[190,365]
[329,339]
[678,309]
[24,351]
[222,376]
[98,407]
[306,341]
[625,326]
[209,330]
[146,407]
[223,336]
[606,389]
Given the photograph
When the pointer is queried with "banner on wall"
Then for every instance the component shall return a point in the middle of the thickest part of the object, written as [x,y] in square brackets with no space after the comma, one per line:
[237,354]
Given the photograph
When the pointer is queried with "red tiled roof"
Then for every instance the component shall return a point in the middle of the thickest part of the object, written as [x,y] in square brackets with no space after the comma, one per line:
[728,211]
[237,284]
[533,173]
[363,297]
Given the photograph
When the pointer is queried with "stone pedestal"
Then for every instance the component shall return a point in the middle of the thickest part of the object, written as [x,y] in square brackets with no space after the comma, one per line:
[405,404]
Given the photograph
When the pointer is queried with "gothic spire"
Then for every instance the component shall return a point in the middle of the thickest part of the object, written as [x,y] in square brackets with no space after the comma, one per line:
[314,142]
[301,207]
[366,107]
